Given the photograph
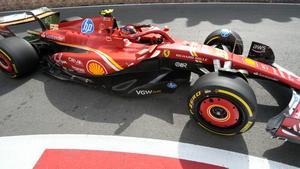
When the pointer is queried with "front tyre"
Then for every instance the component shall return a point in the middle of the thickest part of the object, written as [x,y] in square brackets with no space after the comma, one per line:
[225,39]
[222,104]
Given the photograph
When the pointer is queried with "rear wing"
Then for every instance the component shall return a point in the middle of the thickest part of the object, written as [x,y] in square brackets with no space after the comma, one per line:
[30,16]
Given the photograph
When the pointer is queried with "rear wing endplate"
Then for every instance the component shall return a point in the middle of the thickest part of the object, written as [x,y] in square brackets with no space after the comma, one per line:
[26,17]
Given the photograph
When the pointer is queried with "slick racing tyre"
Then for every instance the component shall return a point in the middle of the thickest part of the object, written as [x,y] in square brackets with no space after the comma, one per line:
[74,18]
[17,57]
[225,39]
[222,104]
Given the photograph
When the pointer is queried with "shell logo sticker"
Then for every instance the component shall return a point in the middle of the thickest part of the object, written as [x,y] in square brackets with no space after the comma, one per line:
[250,62]
[166,53]
[194,97]
[95,68]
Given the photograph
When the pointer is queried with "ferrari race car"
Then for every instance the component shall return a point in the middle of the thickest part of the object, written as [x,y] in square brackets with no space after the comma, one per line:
[141,60]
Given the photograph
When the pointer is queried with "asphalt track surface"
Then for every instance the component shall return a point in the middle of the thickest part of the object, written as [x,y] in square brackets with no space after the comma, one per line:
[39,104]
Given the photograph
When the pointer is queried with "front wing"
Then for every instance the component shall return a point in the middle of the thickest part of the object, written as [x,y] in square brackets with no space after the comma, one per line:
[286,125]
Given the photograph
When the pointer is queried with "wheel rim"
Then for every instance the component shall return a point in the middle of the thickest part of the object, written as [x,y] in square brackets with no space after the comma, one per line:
[5,63]
[219,112]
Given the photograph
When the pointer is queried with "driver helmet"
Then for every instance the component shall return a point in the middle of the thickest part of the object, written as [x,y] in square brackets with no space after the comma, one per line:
[128,29]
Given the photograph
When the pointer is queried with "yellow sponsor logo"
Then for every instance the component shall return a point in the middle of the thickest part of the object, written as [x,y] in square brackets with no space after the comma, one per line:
[95,68]
[250,62]
[166,53]
[194,97]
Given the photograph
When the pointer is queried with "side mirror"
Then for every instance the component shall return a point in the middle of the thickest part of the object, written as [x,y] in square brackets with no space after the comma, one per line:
[262,53]
[166,28]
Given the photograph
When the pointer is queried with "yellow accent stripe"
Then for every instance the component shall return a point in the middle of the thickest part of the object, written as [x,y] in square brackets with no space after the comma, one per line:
[15,68]
[216,37]
[246,127]
[33,32]
[110,59]
[195,54]
[5,55]
[94,50]
[240,99]
[192,50]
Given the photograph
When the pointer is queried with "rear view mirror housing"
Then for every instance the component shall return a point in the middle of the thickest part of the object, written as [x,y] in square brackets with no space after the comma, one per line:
[262,53]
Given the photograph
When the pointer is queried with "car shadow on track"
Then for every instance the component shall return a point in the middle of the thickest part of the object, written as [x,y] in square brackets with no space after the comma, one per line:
[99,105]
[193,134]
[276,95]
[7,84]
[282,95]
[283,154]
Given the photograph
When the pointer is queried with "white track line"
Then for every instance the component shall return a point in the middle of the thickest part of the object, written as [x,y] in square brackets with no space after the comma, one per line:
[22,152]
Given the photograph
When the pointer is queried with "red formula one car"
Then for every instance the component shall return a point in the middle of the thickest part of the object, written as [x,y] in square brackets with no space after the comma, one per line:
[144,60]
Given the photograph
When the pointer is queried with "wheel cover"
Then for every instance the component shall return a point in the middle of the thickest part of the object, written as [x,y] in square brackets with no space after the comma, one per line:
[5,63]
[219,112]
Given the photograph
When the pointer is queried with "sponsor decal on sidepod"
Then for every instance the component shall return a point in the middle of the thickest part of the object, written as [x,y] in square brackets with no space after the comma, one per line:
[87,26]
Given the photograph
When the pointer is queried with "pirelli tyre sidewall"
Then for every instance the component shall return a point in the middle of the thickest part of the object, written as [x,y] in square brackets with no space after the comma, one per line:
[233,90]
[20,55]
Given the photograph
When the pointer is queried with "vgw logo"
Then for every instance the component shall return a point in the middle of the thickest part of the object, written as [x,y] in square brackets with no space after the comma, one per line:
[143,92]
[87,26]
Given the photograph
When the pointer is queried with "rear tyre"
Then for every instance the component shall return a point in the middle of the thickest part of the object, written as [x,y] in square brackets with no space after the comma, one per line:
[17,57]
[74,18]
[225,39]
[222,104]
